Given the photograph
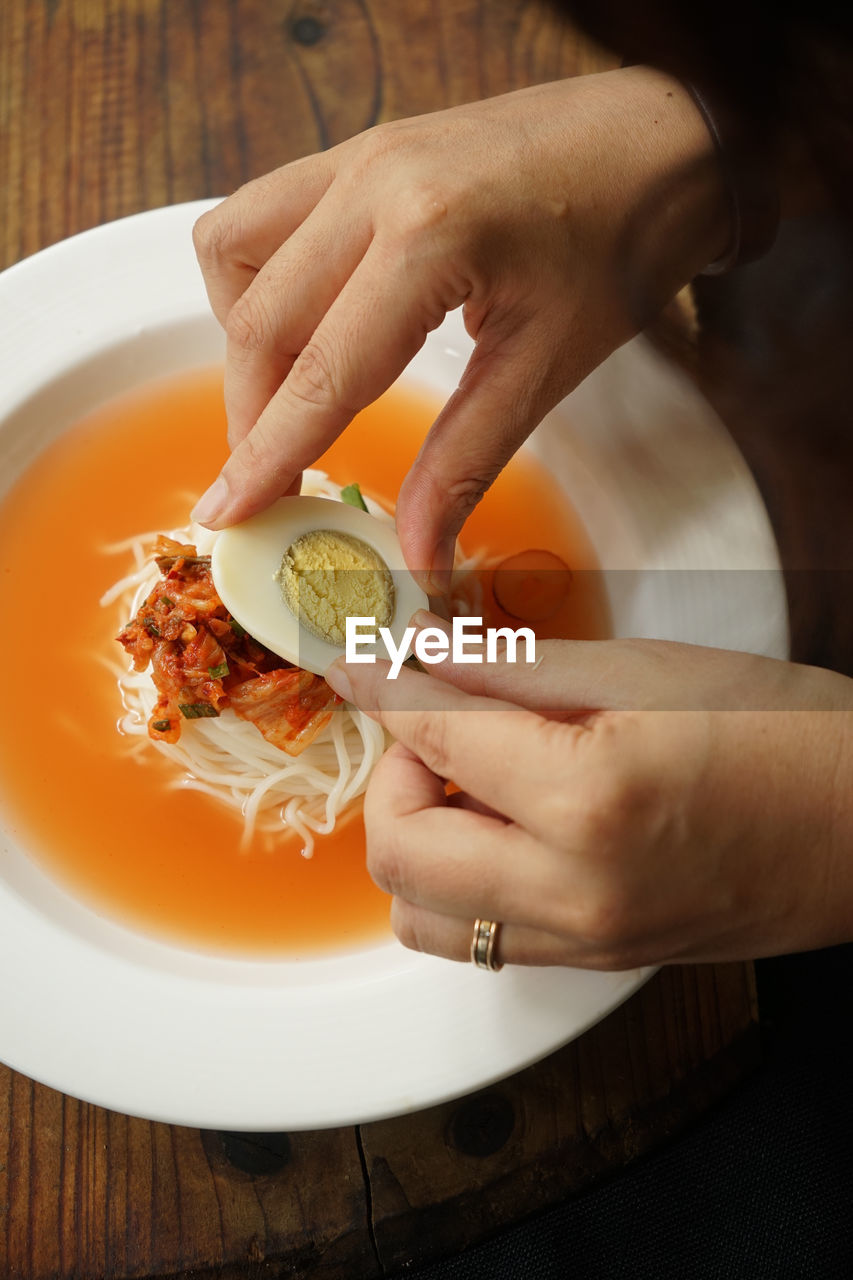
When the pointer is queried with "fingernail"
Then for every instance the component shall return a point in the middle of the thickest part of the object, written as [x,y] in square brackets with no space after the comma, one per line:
[438,578]
[338,679]
[422,618]
[211,504]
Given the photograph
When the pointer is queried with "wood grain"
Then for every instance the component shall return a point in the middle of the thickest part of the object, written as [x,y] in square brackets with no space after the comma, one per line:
[87,1192]
[108,107]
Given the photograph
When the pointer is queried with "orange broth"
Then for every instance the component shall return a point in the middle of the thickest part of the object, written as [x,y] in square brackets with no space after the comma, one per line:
[101,817]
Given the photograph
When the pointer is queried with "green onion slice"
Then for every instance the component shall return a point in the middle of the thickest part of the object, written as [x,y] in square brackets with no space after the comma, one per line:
[196,710]
[351,495]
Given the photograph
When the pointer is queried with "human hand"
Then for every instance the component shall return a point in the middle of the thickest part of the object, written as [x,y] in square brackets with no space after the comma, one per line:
[559,217]
[625,803]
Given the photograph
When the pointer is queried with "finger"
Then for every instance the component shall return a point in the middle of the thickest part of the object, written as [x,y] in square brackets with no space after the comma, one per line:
[503,755]
[367,337]
[567,679]
[514,377]
[454,860]
[577,678]
[420,929]
[419,787]
[274,318]
[461,800]
[459,862]
[234,239]
[423,788]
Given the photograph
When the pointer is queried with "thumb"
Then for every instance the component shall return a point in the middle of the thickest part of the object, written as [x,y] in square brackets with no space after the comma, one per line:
[566,678]
[572,679]
[507,388]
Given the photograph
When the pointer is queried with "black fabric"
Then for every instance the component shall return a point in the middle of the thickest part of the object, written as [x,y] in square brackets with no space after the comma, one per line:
[778,66]
[759,1189]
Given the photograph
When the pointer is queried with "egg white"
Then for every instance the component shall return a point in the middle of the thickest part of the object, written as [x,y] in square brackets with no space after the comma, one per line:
[246,558]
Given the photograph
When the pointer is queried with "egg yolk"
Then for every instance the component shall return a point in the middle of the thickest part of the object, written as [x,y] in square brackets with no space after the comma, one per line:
[327,576]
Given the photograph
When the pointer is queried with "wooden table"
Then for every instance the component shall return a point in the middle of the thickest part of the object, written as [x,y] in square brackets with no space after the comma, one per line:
[108,107]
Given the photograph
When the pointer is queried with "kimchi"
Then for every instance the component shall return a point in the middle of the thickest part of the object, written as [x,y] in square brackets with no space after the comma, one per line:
[203,661]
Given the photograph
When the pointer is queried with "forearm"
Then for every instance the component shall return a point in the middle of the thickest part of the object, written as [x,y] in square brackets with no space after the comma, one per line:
[668,184]
[783,75]
[822,781]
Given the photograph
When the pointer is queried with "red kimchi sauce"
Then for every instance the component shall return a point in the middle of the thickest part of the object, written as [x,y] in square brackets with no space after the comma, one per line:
[96,813]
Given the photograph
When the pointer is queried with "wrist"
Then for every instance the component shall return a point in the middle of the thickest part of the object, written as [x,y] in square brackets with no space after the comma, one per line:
[680,209]
[746,161]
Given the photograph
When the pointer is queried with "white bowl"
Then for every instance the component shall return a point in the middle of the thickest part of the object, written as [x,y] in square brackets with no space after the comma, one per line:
[110,1015]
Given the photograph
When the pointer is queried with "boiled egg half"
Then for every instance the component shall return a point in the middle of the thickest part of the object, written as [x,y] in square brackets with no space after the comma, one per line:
[292,574]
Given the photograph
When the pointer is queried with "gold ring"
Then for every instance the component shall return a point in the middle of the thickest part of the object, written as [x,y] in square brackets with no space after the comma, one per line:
[483,945]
